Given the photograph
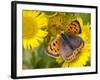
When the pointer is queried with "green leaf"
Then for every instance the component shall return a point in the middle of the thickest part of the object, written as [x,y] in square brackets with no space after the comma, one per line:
[86,18]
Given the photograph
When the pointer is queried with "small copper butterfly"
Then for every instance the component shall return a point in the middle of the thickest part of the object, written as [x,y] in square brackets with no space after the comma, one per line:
[67,44]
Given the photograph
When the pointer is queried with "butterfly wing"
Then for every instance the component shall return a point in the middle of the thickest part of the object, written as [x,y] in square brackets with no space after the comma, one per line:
[73,28]
[70,47]
[54,47]
[76,42]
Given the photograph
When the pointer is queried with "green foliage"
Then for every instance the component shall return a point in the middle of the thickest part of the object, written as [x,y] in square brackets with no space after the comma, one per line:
[86,18]
[49,13]
[39,58]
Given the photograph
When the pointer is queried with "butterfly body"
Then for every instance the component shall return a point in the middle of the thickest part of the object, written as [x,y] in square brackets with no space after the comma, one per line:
[67,44]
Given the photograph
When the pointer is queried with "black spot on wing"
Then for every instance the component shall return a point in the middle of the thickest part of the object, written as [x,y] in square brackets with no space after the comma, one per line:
[51,48]
[74,24]
[70,27]
[55,50]
[53,44]
[56,42]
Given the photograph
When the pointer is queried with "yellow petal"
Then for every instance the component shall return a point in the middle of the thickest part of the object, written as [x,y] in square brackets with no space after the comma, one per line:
[30,13]
[41,33]
[65,64]
[59,60]
[34,43]
[25,43]
[42,21]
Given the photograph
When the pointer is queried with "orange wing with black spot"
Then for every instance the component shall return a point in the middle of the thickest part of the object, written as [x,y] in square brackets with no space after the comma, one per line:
[54,47]
[73,28]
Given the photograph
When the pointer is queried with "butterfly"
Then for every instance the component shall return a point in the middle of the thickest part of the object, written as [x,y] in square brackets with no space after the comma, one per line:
[67,44]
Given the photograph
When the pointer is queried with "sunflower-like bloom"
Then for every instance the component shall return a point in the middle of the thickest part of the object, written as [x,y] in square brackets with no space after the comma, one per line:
[57,23]
[84,56]
[34,23]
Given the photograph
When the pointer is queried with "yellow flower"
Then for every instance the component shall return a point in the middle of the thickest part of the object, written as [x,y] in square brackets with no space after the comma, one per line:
[84,56]
[57,23]
[33,24]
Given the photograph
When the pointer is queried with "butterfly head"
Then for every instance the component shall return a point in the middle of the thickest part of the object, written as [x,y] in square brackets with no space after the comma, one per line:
[73,28]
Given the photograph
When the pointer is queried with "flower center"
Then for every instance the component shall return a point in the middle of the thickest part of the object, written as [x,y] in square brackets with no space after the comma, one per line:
[29,27]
